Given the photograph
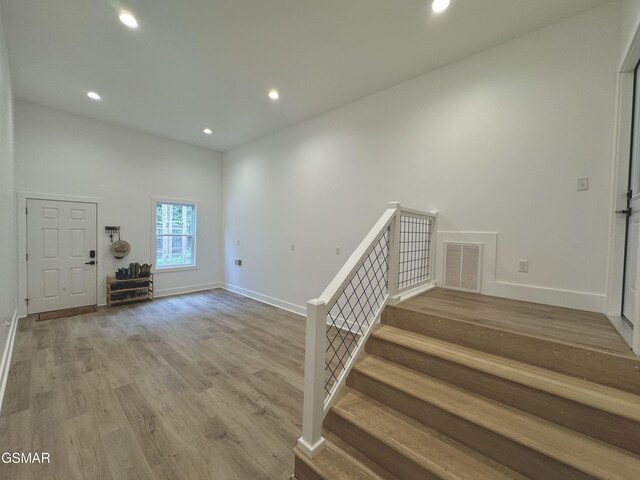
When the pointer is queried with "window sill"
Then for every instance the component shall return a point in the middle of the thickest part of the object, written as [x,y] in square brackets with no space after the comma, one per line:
[175,269]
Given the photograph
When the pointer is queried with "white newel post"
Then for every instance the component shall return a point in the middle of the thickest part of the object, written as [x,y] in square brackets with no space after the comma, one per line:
[394,252]
[312,441]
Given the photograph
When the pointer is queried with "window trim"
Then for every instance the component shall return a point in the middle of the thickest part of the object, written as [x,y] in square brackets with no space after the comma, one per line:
[176,201]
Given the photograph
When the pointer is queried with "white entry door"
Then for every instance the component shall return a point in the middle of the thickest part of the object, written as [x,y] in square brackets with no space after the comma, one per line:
[61,255]
[632,213]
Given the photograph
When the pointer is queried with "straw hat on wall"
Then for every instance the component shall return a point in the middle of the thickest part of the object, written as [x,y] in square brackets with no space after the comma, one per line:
[120,248]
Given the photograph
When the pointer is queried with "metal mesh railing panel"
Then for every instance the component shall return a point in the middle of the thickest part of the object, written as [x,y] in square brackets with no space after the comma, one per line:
[414,255]
[354,310]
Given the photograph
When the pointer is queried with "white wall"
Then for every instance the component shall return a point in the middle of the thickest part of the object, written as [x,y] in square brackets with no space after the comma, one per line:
[629,20]
[60,153]
[8,269]
[495,143]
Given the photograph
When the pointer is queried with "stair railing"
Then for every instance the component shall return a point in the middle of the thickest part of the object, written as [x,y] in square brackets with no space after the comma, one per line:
[395,261]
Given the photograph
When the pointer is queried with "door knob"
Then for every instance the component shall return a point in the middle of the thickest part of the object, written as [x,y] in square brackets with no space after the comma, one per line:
[92,262]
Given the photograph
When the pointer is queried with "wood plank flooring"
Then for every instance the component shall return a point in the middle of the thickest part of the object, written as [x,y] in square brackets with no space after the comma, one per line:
[556,323]
[200,386]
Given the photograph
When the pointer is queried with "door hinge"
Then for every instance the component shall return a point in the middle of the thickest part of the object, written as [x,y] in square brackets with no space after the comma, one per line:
[27,257]
[26,210]
[629,194]
[27,300]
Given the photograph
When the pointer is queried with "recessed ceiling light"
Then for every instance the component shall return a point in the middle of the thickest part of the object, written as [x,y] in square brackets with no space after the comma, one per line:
[128,19]
[439,6]
[94,96]
[274,94]
[208,131]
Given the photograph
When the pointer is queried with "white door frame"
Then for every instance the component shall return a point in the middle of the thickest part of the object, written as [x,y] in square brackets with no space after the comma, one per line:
[620,179]
[22,243]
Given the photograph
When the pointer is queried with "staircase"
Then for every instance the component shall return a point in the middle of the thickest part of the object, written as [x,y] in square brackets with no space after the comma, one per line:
[440,398]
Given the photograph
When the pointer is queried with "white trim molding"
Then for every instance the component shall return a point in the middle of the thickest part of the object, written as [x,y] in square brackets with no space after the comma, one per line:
[5,363]
[619,182]
[594,302]
[619,186]
[275,302]
[168,292]
[412,292]
[153,253]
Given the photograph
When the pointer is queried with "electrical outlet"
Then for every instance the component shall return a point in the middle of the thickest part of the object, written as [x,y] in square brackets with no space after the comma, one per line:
[293,247]
[237,243]
[583,184]
[238,262]
[337,250]
[523,266]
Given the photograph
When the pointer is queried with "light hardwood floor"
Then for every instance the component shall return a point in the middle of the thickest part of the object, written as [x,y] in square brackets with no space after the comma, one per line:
[198,386]
[555,323]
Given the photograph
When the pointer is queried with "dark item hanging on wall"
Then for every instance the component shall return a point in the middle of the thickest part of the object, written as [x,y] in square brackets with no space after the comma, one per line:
[119,248]
[111,231]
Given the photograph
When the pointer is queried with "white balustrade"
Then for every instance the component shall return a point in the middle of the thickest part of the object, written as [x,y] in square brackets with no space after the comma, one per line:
[394,261]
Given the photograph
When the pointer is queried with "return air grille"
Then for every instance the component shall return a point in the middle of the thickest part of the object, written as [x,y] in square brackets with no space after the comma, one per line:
[463,266]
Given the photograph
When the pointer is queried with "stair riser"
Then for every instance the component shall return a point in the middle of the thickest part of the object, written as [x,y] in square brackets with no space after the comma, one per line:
[515,456]
[377,450]
[604,426]
[303,472]
[597,366]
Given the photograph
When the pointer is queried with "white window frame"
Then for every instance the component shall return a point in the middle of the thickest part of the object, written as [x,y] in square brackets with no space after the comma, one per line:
[154,258]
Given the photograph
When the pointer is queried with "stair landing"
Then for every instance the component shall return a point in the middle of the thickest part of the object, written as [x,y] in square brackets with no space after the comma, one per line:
[554,323]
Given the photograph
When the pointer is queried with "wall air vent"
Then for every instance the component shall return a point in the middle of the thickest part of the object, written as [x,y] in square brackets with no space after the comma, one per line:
[463,266]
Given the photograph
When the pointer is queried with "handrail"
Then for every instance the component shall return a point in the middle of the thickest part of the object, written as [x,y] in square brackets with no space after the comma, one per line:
[394,260]
[347,271]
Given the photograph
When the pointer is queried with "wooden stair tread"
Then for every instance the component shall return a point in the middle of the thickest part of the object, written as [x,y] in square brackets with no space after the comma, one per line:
[555,323]
[595,395]
[583,453]
[340,461]
[614,370]
[445,458]
[445,315]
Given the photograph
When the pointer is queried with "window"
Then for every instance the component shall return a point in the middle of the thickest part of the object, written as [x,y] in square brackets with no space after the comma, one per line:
[175,234]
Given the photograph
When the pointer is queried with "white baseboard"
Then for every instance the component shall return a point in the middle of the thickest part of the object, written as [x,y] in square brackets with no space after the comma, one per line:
[561,298]
[167,292]
[297,309]
[406,295]
[592,302]
[5,363]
